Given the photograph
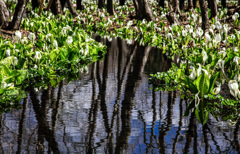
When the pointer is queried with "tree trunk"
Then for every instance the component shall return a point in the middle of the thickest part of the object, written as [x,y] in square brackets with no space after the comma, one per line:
[4,15]
[194,3]
[35,4]
[205,21]
[224,3]
[143,10]
[101,3]
[71,8]
[172,18]
[175,6]
[17,17]
[161,3]
[173,10]
[190,4]
[110,7]
[122,2]
[56,7]
[213,6]
[79,5]
[63,3]
[181,4]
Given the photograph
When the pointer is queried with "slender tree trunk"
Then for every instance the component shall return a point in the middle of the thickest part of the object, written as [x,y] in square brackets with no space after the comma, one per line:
[175,6]
[56,7]
[122,2]
[101,3]
[205,21]
[63,3]
[194,3]
[79,5]
[224,3]
[173,10]
[181,4]
[4,14]
[143,10]
[110,7]
[17,17]
[190,4]
[35,4]
[161,3]
[71,8]
[213,6]
[170,5]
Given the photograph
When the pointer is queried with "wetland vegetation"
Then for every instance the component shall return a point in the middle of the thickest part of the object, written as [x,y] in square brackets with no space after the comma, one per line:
[45,43]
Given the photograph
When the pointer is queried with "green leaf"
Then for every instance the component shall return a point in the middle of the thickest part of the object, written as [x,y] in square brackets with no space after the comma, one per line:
[191,85]
[212,81]
[53,82]
[203,83]
[7,61]
[4,71]
[22,76]
[53,55]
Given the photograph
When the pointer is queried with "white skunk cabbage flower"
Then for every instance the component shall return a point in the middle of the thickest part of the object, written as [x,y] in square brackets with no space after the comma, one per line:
[193,74]
[208,37]
[236,60]
[55,44]
[38,55]
[205,56]
[184,33]
[169,35]
[218,38]
[15,61]
[233,86]
[24,40]
[237,77]
[8,52]
[18,35]
[194,16]
[199,70]
[31,36]
[48,37]
[197,100]
[69,40]
[217,89]
[235,16]
[199,31]
[222,52]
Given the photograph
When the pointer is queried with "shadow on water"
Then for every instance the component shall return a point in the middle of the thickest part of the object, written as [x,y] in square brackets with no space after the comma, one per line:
[113,110]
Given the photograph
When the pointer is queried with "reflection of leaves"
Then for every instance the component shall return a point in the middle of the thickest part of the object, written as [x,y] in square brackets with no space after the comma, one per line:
[202,115]
[190,107]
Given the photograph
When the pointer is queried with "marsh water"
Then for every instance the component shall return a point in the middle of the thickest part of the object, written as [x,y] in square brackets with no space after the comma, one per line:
[112,109]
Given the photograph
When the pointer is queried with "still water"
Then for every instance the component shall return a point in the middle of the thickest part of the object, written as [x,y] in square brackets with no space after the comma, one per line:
[112,109]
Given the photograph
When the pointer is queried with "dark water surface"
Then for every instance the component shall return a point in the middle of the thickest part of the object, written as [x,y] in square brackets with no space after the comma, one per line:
[111,109]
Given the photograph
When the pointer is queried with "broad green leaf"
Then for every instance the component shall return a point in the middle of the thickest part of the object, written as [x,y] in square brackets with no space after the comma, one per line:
[212,81]
[4,71]
[53,55]
[53,82]
[191,85]
[22,76]
[7,61]
[203,83]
